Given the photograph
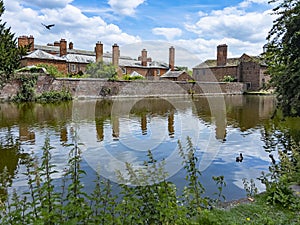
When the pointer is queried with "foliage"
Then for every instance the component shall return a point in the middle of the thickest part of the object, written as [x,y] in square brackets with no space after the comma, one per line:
[281,176]
[27,92]
[221,182]
[228,78]
[101,70]
[54,96]
[194,190]
[51,69]
[27,88]
[283,55]
[257,212]
[10,54]
[136,77]
[285,171]
[250,187]
[145,196]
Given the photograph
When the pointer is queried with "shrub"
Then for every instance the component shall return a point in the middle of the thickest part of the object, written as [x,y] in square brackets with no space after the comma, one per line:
[132,77]
[228,79]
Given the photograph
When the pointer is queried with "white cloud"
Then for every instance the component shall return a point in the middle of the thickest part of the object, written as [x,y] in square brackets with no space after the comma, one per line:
[247,3]
[233,23]
[169,33]
[70,23]
[125,7]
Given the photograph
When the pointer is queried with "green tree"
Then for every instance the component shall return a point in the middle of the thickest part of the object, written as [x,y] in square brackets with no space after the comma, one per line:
[10,54]
[101,70]
[283,55]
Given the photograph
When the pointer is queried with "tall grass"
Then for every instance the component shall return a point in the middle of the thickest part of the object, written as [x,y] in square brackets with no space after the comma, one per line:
[145,196]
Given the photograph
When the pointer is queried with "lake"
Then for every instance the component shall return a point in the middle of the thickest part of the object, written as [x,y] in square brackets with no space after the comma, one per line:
[112,132]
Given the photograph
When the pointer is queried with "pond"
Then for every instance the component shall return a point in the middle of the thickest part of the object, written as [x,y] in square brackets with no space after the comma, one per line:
[112,132]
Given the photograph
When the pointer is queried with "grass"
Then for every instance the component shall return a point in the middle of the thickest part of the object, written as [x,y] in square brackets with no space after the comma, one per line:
[257,212]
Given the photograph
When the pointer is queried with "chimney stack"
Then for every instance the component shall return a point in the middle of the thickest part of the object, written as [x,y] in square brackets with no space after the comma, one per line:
[144,57]
[25,41]
[31,43]
[99,51]
[172,58]
[63,47]
[222,55]
[71,45]
[115,55]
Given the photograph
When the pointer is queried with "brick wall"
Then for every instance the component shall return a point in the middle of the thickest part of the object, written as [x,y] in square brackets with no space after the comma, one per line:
[60,65]
[214,74]
[97,88]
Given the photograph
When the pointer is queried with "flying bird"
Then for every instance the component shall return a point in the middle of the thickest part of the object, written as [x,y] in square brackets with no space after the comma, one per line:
[48,26]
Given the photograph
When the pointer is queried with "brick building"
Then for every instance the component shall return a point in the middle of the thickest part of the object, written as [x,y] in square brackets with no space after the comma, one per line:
[246,69]
[72,61]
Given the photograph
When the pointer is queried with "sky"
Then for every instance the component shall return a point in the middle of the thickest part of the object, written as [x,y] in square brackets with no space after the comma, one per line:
[193,27]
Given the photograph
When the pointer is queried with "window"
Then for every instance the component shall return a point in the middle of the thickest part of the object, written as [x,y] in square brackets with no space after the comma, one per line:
[123,70]
[73,68]
[158,71]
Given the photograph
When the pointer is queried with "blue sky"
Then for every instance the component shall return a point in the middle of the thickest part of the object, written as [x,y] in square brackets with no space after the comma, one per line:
[195,28]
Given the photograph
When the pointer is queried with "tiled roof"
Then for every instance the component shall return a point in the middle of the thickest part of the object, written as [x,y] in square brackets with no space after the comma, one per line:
[230,61]
[172,74]
[79,58]
[83,56]
[39,54]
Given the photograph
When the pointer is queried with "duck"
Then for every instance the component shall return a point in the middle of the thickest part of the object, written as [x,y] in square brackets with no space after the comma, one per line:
[272,158]
[239,158]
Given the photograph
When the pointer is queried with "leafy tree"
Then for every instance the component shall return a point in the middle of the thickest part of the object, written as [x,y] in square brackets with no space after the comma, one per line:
[283,55]
[101,70]
[10,54]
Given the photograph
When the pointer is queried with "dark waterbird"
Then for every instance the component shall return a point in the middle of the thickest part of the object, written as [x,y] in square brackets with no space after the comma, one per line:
[239,158]
[48,26]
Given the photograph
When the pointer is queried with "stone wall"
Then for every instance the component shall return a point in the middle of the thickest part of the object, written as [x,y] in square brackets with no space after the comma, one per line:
[98,88]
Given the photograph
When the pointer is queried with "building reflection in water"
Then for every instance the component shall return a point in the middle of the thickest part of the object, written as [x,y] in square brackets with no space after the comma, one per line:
[115,127]
[25,134]
[142,110]
[212,110]
[64,134]
[171,128]
[144,124]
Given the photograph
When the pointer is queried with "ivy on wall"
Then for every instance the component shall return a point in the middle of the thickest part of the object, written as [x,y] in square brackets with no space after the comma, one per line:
[27,91]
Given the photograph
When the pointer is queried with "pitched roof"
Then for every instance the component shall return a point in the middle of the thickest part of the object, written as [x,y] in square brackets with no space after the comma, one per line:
[84,56]
[172,74]
[231,61]
[39,54]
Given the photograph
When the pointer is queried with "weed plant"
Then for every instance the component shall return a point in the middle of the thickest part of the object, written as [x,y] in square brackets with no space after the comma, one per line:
[145,196]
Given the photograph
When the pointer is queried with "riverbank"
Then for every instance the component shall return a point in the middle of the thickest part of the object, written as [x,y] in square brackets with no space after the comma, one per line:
[258,211]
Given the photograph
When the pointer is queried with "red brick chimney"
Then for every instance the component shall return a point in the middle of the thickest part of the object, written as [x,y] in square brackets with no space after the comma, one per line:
[25,41]
[71,45]
[115,55]
[171,58]
[31,43]
[62,47]
[99,51]
[144,57]
[221,55]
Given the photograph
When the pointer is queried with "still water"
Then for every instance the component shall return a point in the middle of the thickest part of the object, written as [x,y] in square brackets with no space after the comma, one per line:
[113,132]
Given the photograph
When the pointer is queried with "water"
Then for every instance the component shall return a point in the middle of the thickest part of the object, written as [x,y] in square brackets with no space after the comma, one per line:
[112,132]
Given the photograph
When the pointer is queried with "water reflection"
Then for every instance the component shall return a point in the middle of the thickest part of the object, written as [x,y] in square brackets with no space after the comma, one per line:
[127,128]
[143,110]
